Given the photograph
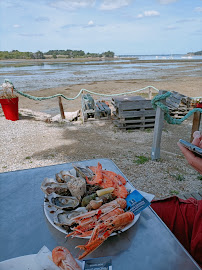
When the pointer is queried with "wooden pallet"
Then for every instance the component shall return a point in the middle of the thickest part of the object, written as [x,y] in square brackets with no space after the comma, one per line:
[102,110]
[133,113]
[88,107]
[179,105]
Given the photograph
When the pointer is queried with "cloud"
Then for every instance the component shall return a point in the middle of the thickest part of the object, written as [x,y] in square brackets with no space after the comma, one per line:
[198,9]
[171,27]
[42,19]
[16,25]
[72,4]
[166,2]
[31,35]
[114,4]
[69,26]
[90,23]
[149,13]
[185,20]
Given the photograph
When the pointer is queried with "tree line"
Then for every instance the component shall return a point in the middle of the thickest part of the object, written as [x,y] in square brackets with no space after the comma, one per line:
[15,54]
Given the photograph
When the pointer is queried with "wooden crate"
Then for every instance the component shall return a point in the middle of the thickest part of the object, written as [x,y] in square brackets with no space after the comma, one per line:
[179,105]
[102,110]
[88,107]
[133,112]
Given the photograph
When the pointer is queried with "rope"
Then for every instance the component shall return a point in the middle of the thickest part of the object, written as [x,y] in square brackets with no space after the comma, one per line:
[170,120]
[155,101]
[81,91]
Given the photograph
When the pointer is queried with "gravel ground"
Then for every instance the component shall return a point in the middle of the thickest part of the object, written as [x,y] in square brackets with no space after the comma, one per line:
[28,144]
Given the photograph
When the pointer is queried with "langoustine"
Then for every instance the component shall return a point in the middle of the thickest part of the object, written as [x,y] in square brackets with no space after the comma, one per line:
[102,231]
[88,221]
[63,258]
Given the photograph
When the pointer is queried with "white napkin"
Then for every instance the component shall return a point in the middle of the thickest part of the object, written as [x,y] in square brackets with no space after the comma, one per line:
[44,259]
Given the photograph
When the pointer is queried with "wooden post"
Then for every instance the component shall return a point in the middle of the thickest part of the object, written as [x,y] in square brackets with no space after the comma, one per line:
[195,124]
[61,108]
[155,154]
[150,93]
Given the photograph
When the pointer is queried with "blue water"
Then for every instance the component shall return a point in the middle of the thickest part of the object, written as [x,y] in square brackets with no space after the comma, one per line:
[56,74]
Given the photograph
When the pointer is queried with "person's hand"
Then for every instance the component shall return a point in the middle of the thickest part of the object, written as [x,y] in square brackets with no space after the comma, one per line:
[193,160]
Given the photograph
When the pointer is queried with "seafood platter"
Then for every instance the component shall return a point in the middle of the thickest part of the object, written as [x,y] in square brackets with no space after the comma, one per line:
[88,202]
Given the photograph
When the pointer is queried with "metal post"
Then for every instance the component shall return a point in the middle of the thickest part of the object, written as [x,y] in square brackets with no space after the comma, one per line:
[155,154]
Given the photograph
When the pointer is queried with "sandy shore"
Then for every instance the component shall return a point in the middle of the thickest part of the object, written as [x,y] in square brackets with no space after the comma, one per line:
[28,143]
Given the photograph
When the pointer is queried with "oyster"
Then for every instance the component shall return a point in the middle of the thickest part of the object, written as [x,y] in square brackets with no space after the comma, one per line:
[65,218]
[76,185]
[63,202]
[50,185]
[63,176]
[59,178]
[84,172]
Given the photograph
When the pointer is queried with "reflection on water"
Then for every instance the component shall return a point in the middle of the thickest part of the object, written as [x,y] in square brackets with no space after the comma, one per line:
[28,76]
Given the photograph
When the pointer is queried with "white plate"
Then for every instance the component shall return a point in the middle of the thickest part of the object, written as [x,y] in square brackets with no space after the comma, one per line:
[48,209]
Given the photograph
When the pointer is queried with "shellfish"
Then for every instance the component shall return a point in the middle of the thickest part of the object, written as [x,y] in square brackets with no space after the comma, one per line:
[65,218]
[50,185]
[63,202]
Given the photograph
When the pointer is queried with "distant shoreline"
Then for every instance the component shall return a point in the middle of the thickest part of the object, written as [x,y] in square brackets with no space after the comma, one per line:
[81,60]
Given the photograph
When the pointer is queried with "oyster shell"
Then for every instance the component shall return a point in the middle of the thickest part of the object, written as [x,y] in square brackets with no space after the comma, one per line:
[65,218]
[63,202]
[59,178]
[83,172]
[76,185]
[50,185]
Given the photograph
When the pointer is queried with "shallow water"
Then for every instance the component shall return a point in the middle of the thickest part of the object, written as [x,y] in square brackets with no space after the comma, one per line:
[27,76]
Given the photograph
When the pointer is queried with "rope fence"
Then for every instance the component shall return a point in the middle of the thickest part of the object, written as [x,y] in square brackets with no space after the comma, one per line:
[156,101]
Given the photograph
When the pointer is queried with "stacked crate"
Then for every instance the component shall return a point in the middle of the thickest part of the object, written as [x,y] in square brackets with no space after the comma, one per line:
[102,110]
[92,110]
[179,105]
[133,112]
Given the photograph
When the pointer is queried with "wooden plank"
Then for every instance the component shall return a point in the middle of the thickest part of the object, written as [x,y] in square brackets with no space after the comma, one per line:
[155,153]
[123,98]
[144,121]
[195,124]
[61,108]
[133,125]
[134,105]
[131,114]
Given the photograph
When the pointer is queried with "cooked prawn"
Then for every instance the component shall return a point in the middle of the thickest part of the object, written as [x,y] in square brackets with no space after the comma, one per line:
[63,258]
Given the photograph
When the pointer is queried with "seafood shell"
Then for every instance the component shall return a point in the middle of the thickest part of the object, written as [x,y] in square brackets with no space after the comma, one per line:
[65,218]
[76,185]
[84,172]
[50,185]
[63,202]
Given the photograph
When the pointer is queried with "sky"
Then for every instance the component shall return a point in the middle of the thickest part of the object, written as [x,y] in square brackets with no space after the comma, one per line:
[132,27]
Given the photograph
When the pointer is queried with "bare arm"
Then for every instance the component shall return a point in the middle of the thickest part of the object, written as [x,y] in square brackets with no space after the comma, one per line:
[193,160]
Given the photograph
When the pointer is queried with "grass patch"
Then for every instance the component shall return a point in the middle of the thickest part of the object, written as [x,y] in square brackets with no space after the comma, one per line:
[141,159]
[179,177]
[174,192]
[28,158]
[199,177]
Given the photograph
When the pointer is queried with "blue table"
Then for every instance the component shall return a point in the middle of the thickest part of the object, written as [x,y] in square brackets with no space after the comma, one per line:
[24,229]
